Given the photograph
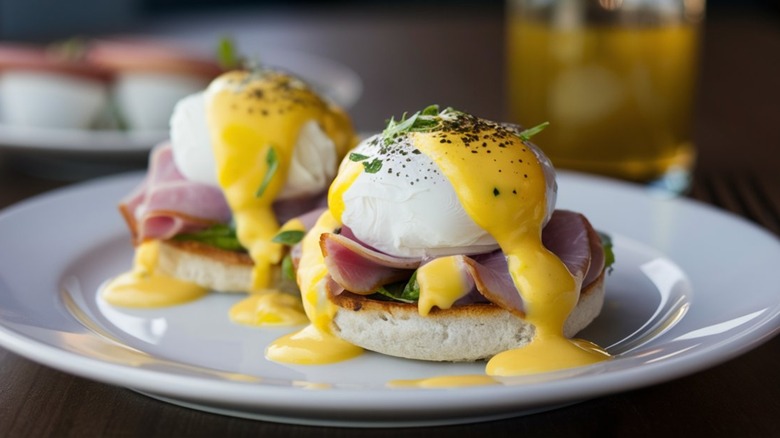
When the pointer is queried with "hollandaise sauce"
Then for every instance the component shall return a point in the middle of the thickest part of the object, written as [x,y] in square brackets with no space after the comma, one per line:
[144,287]
[268,308]
[501,185]
[271,307]
[441,284]
[445,382]
[255,118]
[315,344]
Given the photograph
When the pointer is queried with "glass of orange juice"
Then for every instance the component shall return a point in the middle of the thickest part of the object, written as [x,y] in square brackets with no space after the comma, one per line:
[615,79]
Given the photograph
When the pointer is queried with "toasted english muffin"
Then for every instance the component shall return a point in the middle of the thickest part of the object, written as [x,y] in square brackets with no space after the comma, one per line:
[208,266]
[218,269]
[459,334]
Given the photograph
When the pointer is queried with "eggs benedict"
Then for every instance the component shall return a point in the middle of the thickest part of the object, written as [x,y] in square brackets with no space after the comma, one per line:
[247,157]
[441,242]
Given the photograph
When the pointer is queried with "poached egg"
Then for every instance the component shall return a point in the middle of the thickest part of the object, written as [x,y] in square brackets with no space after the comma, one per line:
[314,158]
[409,208]
[256,121]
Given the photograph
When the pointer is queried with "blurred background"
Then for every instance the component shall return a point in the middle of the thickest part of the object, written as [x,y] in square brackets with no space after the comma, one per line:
[299,24]
[23,20]
[404,64]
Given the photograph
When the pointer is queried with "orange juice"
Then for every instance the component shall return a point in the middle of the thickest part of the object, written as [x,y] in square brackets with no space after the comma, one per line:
[618,97]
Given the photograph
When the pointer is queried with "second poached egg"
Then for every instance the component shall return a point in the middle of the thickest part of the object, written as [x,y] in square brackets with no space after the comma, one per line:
[313,165]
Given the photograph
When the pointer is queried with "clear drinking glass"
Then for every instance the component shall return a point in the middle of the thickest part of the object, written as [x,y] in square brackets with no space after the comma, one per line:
[615,79]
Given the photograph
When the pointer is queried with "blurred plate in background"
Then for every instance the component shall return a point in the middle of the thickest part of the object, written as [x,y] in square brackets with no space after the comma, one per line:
[75,154]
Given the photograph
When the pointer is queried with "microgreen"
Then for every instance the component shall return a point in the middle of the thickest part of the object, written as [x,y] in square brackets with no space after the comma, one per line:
[289,237]
[272,160]
[403,292]
[227,55]
[526,134]
[412,289]
[72,49]
[288,269]
[425,120]
[353,156]
[609,254]
[374,166]
[221,236]
[421,121]
[430,110]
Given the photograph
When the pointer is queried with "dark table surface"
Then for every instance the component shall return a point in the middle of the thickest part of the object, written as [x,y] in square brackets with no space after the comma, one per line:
[408,60]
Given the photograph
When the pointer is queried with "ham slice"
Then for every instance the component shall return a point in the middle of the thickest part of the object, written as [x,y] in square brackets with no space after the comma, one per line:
[569,235]
[566,235]
[166,203]
[359,269]
[493,281]
[597,257]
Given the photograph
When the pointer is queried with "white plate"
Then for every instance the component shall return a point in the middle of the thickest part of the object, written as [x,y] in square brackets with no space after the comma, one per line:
[331,78]
[677,303]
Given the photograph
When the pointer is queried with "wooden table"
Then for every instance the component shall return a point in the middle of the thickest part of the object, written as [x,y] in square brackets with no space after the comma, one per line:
[407,61]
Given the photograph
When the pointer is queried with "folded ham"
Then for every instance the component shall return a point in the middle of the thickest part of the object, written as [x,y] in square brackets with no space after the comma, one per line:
[362,270]
[166,203]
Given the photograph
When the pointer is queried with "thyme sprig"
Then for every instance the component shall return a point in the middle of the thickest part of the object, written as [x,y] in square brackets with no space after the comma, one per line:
[526,134]
[227,54]
[425,120]
[421,121]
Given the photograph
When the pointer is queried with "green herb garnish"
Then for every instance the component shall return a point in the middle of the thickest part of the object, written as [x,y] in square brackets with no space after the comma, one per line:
[227,55]
[288,269]
[71,50]
[412,288]
[289,237]
[421,121]
[374,166]
[408,292]
[220,236]
[273,165]
[609,254]
[430,110]
[357,157]
[526,134]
